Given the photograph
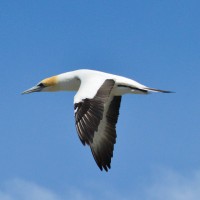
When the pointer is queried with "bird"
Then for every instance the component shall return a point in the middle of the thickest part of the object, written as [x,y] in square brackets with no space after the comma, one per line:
[96,106]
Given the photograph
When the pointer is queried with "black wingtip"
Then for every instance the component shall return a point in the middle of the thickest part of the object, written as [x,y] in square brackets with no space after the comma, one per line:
[103,167]
[107,167]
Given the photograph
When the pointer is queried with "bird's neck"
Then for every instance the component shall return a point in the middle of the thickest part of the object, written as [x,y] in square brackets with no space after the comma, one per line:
[68,81]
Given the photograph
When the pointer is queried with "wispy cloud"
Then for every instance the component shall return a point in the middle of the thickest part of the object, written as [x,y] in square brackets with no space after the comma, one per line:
[18,189]
[167,185]
[171,185]
[22,190]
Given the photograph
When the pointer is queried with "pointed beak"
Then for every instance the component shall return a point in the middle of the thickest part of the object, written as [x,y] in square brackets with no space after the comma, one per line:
[36,88]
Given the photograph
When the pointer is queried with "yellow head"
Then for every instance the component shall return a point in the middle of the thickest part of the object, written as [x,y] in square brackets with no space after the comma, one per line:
[50,84]
[46,85]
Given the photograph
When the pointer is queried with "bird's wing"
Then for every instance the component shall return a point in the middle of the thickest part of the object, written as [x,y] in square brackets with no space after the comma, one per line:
[105,138]
[96,120]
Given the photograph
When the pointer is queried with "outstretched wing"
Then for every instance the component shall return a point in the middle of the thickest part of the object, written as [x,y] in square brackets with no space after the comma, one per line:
[96,120]
[104,139]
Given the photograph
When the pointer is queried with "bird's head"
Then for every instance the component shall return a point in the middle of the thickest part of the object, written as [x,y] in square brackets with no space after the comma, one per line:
[47,85]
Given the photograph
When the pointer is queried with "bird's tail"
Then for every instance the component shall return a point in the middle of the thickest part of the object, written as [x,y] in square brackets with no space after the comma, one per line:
[157,90]
[142,89]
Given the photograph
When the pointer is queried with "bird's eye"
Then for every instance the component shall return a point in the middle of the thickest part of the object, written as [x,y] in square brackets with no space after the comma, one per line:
[41,85]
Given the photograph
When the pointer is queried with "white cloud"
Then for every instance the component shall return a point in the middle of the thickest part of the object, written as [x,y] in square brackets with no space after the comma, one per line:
[173,186]
[22,190]
[167,185]
[18,189]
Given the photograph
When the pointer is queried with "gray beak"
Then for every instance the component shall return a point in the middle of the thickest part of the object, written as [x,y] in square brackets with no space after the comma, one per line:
[36,88]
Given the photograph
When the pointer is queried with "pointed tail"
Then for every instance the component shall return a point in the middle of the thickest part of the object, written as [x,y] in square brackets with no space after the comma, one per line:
[157,90]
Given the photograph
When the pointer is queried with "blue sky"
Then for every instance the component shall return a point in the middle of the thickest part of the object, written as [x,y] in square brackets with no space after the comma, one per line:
[154,42]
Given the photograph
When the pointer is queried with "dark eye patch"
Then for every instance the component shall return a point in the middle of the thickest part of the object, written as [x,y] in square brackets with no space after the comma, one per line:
[41,85]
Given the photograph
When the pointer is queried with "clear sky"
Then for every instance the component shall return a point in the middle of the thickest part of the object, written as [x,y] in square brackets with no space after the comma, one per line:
[154,42]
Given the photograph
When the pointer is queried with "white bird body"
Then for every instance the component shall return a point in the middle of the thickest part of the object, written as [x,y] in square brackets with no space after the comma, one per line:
[96,106]
[81,79]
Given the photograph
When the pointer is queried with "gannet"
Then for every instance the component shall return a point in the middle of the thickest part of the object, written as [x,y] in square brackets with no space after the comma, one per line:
[96,106]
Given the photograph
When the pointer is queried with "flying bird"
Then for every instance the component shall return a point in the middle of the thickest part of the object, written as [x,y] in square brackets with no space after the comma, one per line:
[96,106]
